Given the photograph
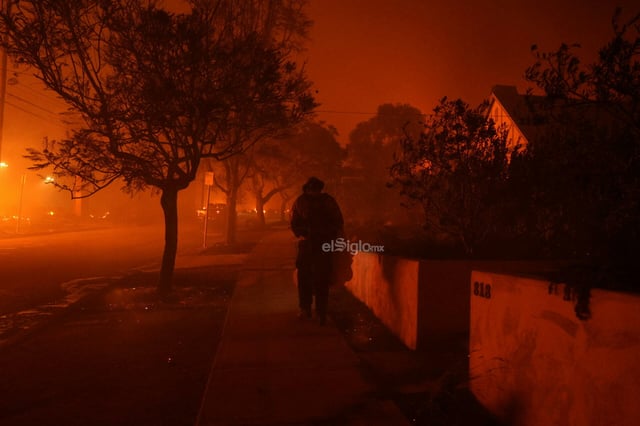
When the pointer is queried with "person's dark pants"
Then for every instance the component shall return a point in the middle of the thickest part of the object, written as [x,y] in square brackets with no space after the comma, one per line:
[314,272]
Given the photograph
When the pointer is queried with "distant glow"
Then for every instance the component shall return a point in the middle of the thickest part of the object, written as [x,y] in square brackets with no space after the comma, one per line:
[49,179]
[3,165]
[51,213]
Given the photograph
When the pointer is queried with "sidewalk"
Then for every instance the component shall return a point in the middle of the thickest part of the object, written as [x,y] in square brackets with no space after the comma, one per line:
[273,369]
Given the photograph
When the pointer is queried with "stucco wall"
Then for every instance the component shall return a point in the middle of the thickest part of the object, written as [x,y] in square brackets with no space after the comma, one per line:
[423,302]
[444,301]
[532,362]
[389,287]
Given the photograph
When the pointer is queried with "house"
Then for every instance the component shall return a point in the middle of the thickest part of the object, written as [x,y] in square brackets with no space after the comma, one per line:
[513,110]
[529,117]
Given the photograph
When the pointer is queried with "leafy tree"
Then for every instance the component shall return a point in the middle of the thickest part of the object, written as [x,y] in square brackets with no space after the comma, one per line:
[612,81]
[584,168]
[158,92]
[281,25]
[456,170]
[371,147]
[281,166]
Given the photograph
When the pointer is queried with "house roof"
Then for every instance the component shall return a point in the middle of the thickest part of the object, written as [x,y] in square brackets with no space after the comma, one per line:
[520,108]
[533,114]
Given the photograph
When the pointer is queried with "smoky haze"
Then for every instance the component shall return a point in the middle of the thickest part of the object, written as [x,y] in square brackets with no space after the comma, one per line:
[364,53]
[360,55]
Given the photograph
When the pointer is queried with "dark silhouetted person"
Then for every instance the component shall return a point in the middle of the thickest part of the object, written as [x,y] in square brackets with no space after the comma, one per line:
[315,219]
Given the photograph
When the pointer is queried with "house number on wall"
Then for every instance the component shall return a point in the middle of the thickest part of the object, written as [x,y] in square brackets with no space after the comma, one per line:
[482,290]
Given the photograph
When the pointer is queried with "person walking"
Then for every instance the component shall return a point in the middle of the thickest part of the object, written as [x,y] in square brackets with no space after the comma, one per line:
[316,219]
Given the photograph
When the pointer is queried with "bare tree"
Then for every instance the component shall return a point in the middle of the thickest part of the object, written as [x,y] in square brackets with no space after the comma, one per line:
[157,92]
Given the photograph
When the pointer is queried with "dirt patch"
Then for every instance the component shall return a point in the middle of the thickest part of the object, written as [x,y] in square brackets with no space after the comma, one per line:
[123,356]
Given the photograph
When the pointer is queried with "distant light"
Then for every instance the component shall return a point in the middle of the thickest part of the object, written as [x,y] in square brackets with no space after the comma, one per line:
[51,213]
[49,179]
[3,165]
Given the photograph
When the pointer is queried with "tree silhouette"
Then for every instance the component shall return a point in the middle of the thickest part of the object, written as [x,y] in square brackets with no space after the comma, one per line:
[612,81]
[281,166]
[455,169]
[283,26]
[583,172]
[158,92]
[230,174]
[371,148]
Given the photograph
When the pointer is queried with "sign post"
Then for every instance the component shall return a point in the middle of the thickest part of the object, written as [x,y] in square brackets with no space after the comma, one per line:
[208,181]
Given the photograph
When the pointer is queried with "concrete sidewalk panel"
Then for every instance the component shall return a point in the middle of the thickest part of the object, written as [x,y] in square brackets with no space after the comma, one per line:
[283,395]
[310,351]
[272,368]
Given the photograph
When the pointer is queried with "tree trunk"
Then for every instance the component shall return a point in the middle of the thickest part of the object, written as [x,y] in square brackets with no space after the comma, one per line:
[232,216]
[169,202]
[283,210]
[260,211]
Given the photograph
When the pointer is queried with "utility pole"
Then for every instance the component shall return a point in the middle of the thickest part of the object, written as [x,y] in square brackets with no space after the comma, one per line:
[3,85]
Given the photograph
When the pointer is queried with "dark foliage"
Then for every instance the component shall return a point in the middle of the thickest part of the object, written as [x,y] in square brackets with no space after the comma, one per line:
[457,171]
[583,172]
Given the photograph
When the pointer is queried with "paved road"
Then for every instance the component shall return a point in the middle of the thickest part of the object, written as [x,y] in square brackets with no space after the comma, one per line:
[36,270]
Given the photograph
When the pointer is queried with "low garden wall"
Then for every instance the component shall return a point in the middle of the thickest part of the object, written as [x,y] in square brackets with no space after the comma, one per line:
[421,301]
[389,287]
[533,362]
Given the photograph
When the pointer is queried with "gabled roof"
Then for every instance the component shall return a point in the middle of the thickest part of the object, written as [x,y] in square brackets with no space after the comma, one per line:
[534,115]
[519,108]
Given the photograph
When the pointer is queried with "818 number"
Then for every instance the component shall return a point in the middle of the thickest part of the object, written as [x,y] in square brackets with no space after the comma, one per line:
[482,290]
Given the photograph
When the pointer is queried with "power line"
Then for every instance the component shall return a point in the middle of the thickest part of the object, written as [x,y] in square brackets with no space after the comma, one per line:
[19,84]
[36,115]
[345,112]
[32,104]
[502,116]
[40,93]
[326,111]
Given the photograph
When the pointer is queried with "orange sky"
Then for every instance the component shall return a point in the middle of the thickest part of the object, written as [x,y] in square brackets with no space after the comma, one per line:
[363,53]
[367,52]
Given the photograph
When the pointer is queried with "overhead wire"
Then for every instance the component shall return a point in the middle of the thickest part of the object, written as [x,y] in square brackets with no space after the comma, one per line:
[29,92]
[21,99]
[48,120]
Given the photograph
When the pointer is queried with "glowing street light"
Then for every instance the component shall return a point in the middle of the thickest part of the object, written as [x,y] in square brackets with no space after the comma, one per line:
[49,179]
[3,165]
